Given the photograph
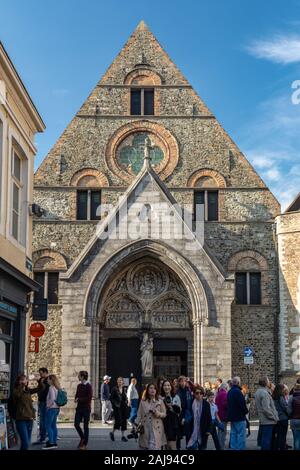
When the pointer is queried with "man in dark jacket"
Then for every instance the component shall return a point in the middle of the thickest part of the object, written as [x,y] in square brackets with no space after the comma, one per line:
[83,398]
[43,388]
[237,411]
[186,399]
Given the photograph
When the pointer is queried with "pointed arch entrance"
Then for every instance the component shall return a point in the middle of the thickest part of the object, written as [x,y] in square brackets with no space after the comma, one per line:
[146,288]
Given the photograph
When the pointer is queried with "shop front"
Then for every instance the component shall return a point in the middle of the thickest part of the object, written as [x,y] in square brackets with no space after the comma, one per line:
[15,288]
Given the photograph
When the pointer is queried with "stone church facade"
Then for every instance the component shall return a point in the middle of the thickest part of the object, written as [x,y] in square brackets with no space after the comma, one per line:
[142,141]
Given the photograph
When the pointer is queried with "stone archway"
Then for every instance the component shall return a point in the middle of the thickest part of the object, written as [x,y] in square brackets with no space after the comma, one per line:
[98,303]
[145,298]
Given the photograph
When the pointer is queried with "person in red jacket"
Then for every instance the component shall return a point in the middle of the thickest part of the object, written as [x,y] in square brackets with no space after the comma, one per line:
[221,402]
[83,398]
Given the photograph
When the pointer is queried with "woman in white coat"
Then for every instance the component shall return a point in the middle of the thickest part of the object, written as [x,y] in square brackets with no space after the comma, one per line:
[150,417]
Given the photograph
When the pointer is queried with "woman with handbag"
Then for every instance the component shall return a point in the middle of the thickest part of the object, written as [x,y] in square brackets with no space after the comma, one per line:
[150,417]
[118,398]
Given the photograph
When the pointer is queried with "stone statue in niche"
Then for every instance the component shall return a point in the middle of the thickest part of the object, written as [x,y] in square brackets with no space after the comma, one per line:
[147,355]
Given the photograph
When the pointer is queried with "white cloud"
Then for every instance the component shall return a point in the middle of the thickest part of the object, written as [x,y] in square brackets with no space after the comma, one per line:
[262,158]
[271,143]
[280,49]
[273,174]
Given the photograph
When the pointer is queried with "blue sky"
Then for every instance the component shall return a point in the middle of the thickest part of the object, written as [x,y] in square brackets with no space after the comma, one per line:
[241,56]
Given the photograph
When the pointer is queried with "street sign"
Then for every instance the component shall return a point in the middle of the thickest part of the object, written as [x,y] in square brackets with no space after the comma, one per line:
[248,360]
[248,351]
[36,330]
[40,310]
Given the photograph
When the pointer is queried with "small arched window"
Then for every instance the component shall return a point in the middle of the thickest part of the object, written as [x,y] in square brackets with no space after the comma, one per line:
[249,268]
[143,91]
[206,184]
[88,197]
[47,265]
[142,101]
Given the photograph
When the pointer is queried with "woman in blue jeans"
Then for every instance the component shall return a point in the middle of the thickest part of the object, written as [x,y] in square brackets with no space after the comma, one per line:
[23,411]
[52,411]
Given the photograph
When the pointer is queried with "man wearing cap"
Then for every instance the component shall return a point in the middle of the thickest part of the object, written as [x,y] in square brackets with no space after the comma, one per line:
[105,400]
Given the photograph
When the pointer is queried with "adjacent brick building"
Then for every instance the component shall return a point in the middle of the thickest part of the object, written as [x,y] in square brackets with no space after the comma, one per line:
[200,307]
[288,235]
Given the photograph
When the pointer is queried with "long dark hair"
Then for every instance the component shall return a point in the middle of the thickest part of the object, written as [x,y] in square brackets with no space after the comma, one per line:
[146,395]
[19,377]
[278,392]
[158,384]
[163,393]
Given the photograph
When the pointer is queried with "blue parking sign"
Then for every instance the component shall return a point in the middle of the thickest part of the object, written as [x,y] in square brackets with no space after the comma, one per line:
[248,351]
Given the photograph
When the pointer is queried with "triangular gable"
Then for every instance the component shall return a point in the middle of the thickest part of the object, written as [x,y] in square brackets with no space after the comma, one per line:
[168,198]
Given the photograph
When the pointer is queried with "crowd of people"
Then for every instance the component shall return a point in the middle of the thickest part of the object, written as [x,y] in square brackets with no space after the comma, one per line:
[170,411]
[169,414]
[51,397]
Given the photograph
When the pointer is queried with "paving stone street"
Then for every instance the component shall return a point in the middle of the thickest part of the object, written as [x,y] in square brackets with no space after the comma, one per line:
[99,439]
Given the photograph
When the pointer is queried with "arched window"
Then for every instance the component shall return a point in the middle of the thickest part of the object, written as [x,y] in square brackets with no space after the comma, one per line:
[206,184]
[143,99]
[47,265]
[88,197]
[250,275]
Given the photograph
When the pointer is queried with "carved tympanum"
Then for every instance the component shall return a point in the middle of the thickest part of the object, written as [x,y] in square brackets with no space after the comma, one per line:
[147,291]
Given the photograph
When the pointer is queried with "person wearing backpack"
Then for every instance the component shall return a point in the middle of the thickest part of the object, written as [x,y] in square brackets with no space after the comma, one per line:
[52,410]
[83,398]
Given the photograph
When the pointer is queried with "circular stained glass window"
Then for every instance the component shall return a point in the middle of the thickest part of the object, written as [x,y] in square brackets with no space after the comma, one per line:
[130,154]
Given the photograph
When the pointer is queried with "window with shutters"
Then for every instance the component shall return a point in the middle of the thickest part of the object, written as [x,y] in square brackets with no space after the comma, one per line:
[142,101]
[248,288]
[206,205]
[49,286]
[88,204]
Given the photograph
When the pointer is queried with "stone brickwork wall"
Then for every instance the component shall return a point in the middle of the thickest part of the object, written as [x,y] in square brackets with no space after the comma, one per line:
[198,144]
[253,326]
[70,238]
[202,144]
[288,233]
[50,353]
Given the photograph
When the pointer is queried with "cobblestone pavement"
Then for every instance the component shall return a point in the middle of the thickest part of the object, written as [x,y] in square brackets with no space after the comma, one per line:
[99,439]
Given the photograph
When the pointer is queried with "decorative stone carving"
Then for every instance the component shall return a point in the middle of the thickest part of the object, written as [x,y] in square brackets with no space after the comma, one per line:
[170,313]
[147,281]
[123,312]
[147,292]
[118,284]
